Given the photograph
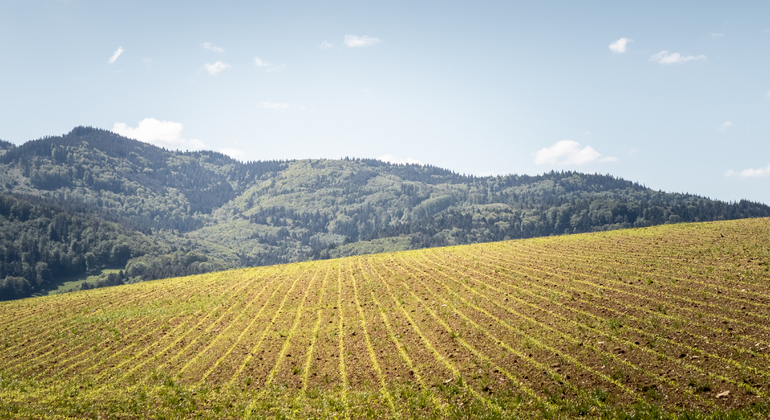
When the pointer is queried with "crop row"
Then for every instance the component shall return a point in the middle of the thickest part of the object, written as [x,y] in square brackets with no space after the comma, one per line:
[614,319]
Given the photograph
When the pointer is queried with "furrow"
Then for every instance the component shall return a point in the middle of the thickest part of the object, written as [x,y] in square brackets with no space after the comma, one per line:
[369,347]
[220,337]
[679,362]
[292,332]
[261,339]
[204,335]
[341,336]
[451,367]
[517,381]
[575,341]
[681,297]
[416,371]
[625,314]
[51,326]
[235,288]
[314,335]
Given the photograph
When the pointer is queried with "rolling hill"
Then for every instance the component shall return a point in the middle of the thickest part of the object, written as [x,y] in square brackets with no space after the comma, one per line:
[167,213]
[641,323]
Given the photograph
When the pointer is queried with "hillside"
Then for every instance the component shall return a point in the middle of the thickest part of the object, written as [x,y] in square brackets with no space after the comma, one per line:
[646,322]
[204,211]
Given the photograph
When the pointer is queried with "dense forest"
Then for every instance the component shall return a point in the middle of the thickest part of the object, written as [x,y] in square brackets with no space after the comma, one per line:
[72,204]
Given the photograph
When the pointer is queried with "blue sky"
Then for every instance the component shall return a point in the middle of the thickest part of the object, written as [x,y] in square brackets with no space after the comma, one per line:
[680,102]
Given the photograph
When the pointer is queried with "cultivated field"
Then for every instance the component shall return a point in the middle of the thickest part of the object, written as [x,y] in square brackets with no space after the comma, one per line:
[651,322]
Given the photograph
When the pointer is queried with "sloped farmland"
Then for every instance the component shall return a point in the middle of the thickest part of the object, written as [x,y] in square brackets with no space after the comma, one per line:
[664,321]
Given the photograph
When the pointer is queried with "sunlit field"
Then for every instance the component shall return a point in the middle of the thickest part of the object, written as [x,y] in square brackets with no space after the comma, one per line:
[655,322]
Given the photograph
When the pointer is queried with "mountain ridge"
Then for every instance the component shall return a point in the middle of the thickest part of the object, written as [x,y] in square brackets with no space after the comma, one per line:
[238,214]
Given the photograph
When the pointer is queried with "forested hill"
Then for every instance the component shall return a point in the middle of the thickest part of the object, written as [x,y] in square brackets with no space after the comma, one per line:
[185,212]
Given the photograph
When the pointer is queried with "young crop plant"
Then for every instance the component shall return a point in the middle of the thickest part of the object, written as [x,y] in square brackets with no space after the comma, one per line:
[556,375]
[369,347]
[560,327]
[244,330]
[440,358]
[662,357]
[267,326]
[291,333]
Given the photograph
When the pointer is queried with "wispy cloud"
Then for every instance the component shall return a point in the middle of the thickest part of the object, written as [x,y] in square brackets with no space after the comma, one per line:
[750,173]
[768,94]
[355,41]
[725,126]
[325,45]
[160,133]
[620,45]
[268,66]
[261,63]
[212,47]
[664,57]
[715,35]
[399,161]
[233,153]
[147,61]
[115,55]
[215,68]
[568,152]
[280,106]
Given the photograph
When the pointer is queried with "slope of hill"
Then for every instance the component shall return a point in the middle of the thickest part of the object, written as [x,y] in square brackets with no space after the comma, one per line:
[259,213]
[42,241]
[651,322]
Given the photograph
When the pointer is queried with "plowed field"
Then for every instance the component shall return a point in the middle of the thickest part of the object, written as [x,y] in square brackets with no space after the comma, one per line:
[652,322]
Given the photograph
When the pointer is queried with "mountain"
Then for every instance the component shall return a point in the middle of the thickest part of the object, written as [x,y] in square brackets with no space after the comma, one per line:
[181,213]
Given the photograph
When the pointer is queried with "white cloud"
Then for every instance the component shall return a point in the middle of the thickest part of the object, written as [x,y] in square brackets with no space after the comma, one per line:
[212,47]
[725,125]
[398,161]
[215,68]
[714,35]
[568,152]
[160,133]
[768,94]
[280,106]
[620,45]
[749,173]
[115,55]
[233,153]
[269,66]
[147,61]
[261,63]
[354,41]
[325,45]
[664,57]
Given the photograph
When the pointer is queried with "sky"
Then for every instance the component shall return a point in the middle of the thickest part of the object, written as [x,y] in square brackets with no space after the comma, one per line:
[673,95]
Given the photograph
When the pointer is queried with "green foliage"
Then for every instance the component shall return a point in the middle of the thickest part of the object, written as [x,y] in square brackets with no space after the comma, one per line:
[91,199]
